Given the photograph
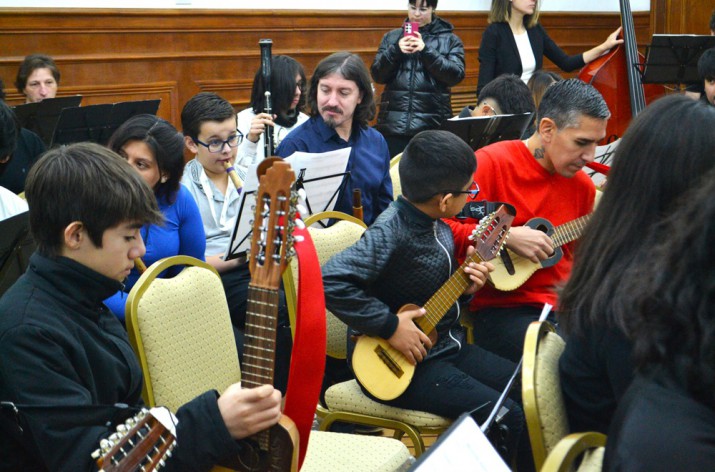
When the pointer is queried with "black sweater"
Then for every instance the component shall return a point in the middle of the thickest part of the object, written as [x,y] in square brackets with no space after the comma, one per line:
[60,347]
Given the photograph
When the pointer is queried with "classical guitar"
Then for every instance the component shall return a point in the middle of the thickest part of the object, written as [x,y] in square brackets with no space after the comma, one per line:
[275,449]
[383,370]
[141,443]
[512,273]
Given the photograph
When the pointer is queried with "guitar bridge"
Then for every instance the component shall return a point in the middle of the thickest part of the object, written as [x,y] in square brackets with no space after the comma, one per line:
[389,361]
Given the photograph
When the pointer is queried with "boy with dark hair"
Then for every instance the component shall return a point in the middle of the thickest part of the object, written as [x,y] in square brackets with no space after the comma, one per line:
[210,134]
[706,72]
[65,360]
[405,257]
[505,95]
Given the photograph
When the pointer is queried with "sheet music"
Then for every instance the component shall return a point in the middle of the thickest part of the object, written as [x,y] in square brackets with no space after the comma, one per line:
[322,175]
[240,241]
[463,447]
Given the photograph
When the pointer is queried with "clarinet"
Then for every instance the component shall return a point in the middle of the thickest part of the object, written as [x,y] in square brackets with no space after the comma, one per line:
[265,44]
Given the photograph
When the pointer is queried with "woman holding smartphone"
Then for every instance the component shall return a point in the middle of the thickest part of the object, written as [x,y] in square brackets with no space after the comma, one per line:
[418,63]
[515,43]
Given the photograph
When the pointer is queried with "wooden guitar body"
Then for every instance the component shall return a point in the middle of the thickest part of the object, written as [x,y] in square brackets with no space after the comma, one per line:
[383,370]
[513,273]
[281,455]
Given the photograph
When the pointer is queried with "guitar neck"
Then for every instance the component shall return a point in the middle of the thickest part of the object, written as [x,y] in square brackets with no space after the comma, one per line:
[571,231]
[259,347]
[439,304]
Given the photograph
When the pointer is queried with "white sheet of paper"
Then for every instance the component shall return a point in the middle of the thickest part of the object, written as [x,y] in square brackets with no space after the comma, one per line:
[321,194]
[240,238]
[328,167]
[464,447]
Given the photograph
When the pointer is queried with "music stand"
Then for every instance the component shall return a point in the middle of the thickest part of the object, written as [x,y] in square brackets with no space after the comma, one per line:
[322,176]
[41,117]
[462,447]
[480,131]
[16,245]
[96,123]
[673,58]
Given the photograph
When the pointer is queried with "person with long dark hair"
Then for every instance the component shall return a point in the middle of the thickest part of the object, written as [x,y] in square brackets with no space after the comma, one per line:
[515,43]
[666,420]
[654,165]
[154,148]
[341,102]
[287,101]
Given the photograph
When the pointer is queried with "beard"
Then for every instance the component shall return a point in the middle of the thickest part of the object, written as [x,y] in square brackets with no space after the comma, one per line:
[330,120]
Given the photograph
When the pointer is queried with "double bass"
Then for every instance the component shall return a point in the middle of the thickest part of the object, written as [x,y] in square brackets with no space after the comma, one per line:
[617,75]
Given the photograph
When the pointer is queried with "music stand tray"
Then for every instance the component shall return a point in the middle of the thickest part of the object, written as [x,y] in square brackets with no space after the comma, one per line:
[42,117]
[673,58]
[96,123]
[483,130]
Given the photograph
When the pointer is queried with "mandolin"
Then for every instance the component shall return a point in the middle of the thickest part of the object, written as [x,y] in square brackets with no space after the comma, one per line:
[383,370]
[517,270]
[275,449]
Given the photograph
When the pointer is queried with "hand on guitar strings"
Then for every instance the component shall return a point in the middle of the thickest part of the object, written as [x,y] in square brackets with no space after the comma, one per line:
[247,411]
[530,243]
[408,338]
[477,272]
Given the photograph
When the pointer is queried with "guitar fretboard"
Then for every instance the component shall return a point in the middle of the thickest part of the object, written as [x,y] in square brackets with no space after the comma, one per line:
[259,350]
[439,304]
[571,231]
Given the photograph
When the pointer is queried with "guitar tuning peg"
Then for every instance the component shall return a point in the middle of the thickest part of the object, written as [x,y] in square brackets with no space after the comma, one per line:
[300,223]
[302,194]
[299,238]
[96,454]
[122,429]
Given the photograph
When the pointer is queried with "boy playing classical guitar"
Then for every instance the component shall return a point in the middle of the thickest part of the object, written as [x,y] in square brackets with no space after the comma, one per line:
[405,257]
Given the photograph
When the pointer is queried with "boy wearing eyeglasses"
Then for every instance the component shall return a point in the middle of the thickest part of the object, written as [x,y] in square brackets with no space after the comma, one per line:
[211,135]
[406,256]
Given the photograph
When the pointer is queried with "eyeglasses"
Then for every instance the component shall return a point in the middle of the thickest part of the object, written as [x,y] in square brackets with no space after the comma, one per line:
[216,145]
[491,108]
[471,192]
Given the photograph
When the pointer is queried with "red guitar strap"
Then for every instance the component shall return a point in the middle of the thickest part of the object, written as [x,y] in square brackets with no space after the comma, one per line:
[307,361]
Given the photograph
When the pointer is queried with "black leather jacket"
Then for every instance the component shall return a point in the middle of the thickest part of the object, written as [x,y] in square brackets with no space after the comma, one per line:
[417,92]
[404,257]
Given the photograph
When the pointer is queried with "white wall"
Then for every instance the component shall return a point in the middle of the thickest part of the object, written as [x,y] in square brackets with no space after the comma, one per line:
[458,5]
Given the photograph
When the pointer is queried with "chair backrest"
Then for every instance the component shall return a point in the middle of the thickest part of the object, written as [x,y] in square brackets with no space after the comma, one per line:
[328,241]
[590,446]
[541,389]
[171,322]
[395,176]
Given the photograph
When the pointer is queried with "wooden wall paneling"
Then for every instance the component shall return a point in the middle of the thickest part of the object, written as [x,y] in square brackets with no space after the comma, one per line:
[113,55]
[681,16]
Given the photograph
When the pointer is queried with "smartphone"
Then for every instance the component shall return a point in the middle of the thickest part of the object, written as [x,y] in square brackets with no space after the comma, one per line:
[409,28]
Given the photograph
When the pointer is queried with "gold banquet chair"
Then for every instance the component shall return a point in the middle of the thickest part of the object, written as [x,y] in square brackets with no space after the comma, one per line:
[395,176]
[345,401]
[589,446]
[543,401]
[181,331]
